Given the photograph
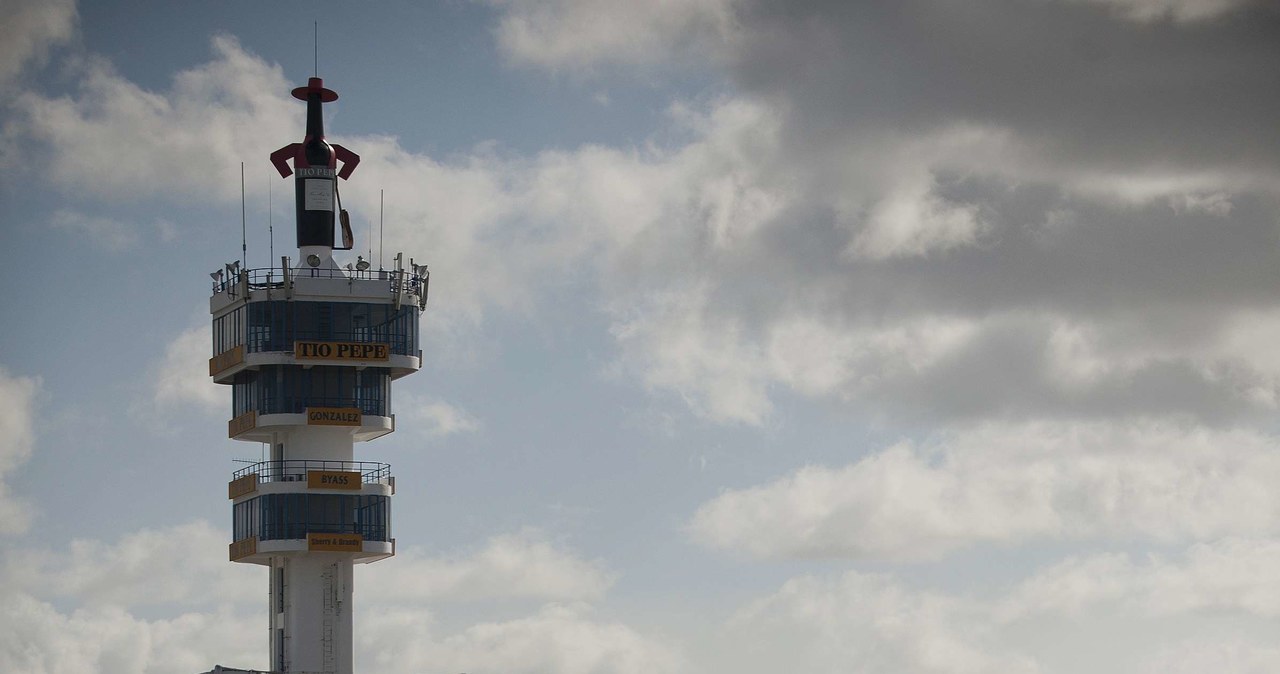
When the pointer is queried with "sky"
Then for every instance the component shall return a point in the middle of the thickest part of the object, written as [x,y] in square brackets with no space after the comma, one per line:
[912,336]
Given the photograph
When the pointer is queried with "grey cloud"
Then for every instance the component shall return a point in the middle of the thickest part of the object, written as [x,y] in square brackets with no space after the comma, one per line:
[1076,83]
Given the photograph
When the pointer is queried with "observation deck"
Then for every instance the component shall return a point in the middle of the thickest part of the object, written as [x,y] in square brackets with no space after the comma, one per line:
[315,345]
[317,316]
[305,506]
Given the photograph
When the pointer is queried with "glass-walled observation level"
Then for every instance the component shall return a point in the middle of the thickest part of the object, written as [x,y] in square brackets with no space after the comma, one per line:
[288,389]
[295,506]
[285,331]
[279,517]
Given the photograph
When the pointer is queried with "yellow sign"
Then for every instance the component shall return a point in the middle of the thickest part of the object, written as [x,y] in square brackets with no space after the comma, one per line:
[226,360]
[242,423]
[243,548]
[333,479]
[335,542]
[333,416]
[340,351]
[243,485]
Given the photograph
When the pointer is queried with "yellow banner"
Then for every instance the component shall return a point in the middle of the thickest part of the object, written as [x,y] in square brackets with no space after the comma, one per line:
[242,423]
[333,479]
[333,416]
[335,542]
[241,486]
[340,351]
[243,548]
[226,360]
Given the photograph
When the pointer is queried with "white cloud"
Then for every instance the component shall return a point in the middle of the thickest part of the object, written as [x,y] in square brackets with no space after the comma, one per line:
[432,417]
[914,221]
[17,438]
[129,573]
[579,34]
[108,233]
[1231,574]
[1185,11]
[559,638]
[1107,613]
[181,376]
[1009,484]
[511,566]
[36,638]
[232,108]
[864,623]
[29,30]
[686,349]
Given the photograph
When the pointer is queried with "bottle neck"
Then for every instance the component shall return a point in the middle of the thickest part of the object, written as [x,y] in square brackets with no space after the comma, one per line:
[315,118]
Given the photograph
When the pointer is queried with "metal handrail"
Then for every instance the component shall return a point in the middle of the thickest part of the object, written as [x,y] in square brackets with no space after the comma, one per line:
[271,277]
[295,470]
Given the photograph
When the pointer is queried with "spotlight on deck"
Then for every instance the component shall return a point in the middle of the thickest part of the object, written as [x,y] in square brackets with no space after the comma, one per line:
[361,263]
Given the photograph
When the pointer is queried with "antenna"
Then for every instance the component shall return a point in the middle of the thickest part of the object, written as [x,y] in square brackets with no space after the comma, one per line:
[315,48]
[244,259]
[271,232]
[381,193]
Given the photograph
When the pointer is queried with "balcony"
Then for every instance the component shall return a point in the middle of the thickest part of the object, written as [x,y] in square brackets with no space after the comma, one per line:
[371,472]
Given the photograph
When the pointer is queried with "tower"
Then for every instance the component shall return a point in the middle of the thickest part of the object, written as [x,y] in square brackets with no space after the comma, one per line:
[309,351]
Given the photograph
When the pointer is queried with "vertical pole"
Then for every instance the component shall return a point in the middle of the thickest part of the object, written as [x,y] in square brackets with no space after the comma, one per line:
[244,261]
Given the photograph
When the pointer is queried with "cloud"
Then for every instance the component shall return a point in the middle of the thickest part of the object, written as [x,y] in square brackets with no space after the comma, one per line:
[29,30]
[1174,612]
[864,623]
[233,107]
[841,226]
[110,234]
[181,376]
[578,34]
[36,638]
[1230,574]
[434,418]
[17,438]
[1179,10]
[509,566]
[128,573]
[558,638]
[1009,485]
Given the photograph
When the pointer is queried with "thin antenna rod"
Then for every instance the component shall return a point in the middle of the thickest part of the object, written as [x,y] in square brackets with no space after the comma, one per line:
[380,206]
[244,248]
[271,232]
[315,47]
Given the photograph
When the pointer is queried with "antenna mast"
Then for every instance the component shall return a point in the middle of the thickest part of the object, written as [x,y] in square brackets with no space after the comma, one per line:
[380,203]
[271,232]
[244,256]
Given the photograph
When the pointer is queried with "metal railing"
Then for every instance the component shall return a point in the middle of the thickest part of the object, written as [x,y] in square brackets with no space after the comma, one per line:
[398,280]
[295,470]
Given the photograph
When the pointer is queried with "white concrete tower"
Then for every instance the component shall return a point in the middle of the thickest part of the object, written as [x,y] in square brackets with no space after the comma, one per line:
[310,351]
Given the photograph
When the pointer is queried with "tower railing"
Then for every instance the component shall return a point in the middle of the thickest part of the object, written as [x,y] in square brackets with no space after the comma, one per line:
[295,470]
[398,281]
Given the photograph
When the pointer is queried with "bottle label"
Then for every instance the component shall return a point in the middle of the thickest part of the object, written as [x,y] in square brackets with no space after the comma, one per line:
[318,195]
